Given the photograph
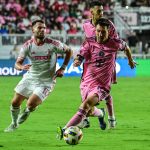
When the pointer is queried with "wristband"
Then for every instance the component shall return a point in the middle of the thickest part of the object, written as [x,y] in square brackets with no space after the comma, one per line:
[80,58]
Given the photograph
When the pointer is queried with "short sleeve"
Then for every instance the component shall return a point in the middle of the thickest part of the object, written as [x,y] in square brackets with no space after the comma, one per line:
[112,31]
[60,47]
[23,52]
[84,50]
[122,44]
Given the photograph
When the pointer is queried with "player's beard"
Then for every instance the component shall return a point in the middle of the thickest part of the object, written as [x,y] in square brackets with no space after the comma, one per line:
[99,39]
[40,37]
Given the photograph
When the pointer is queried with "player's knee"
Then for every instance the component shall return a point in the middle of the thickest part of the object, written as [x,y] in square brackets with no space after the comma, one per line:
[86,106]
[15,103]
[31,106]
[17,100]
[90,112]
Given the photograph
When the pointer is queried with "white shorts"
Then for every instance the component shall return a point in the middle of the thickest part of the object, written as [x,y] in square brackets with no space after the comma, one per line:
[28,87]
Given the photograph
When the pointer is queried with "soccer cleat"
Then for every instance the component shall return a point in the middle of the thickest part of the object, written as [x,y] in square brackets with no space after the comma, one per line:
[112,123]
[60,133]
[85,123]
[101,120]
[23,116]
[12,127]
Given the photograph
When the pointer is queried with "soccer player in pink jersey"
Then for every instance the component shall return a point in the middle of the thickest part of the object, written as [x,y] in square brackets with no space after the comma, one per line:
[100,55]
[96,9]
[39,80]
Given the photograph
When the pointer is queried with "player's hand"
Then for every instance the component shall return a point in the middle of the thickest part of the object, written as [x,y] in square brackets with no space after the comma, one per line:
[76,62]
[59,73]
[26,67]
[132,64]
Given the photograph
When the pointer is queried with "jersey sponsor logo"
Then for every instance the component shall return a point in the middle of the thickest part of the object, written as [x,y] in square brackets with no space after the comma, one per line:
[41,57]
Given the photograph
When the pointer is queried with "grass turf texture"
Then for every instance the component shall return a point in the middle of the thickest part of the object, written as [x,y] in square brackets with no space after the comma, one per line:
[131,100]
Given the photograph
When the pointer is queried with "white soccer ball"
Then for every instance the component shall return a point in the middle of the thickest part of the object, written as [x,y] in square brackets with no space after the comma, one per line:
[73,135]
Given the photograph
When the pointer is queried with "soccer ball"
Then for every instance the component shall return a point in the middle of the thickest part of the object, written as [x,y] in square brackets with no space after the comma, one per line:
[73,135]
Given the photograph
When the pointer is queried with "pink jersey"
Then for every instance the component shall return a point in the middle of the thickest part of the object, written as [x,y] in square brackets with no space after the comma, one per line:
[100,62]
[89,29]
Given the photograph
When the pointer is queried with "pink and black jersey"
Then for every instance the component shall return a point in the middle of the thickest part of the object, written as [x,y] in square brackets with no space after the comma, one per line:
[89,31]
[100,61]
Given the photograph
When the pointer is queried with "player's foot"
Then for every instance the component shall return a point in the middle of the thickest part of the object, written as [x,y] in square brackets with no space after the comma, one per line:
[12,127]
[60,133]
[112,123]
[85,123]
[23,117]
[102,122]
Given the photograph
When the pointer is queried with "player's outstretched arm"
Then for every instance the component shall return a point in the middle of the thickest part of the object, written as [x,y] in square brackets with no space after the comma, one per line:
[131,62]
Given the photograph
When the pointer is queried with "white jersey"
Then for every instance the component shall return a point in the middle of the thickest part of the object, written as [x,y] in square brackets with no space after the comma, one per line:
[42,57]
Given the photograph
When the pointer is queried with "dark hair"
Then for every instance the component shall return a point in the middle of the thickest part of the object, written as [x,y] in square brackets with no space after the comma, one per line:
[95,3]
[37,20]
[103,22]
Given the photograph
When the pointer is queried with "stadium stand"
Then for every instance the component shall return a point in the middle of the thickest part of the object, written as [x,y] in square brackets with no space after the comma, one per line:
[64,20]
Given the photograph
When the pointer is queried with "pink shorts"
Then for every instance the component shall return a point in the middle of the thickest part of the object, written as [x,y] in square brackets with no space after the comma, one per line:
[88,91]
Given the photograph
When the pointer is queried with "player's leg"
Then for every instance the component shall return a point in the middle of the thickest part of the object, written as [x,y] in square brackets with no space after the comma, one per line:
[15,110]
[40,93]
[100,113]
[84,108]
[95,112]
[111,115]
[32,103]
[85,123]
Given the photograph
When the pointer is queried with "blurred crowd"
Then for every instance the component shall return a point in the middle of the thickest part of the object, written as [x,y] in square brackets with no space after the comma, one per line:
[16,15]
[59,15]
[135,3]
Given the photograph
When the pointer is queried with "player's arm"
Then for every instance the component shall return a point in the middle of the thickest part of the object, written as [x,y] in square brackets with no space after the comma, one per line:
[83,54]
[78,60]
[131,62]
[68,54]
[19,64]
[21,57]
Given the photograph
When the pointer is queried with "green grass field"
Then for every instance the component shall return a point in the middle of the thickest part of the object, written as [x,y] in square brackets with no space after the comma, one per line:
[132,107]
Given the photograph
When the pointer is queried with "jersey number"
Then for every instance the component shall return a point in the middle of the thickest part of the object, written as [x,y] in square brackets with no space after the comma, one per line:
[99,62]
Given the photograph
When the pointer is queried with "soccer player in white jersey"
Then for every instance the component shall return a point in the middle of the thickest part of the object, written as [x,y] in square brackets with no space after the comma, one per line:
[96,83]
[40,78]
